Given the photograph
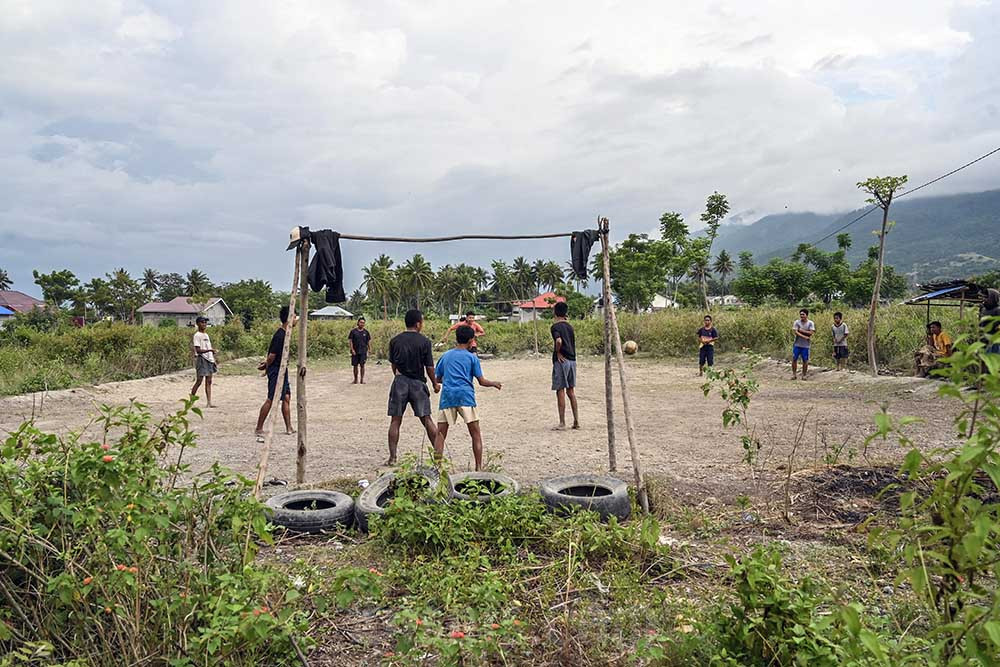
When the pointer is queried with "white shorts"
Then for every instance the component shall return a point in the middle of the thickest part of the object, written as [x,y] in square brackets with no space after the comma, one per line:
[450,416]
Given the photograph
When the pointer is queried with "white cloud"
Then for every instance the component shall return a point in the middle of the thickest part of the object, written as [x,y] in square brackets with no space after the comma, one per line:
[177,135]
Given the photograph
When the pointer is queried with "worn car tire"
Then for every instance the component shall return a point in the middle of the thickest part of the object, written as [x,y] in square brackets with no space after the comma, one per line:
[498,484]
[376,497]
[310,511]
[605,495]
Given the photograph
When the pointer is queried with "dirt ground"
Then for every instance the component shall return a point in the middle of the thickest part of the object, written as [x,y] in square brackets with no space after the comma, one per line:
[679,432]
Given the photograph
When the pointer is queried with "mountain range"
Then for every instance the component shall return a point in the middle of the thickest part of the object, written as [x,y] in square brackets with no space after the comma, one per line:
[953,236]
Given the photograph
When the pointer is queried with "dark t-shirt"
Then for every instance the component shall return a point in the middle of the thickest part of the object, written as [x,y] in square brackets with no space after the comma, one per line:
[277,347]
[411,353]
[360,338]
[564,330]
[710,333]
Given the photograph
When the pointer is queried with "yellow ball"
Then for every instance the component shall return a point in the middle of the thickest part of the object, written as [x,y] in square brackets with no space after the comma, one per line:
[631,347]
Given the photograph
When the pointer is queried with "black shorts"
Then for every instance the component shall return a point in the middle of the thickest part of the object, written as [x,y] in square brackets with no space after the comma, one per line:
[839,351]
[407,391]
[706,355]
[359,359]
[272,385]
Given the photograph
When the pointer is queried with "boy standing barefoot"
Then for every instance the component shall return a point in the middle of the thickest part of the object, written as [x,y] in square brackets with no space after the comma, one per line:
[204,361]
[564,365]
[707,335]
[840,333]
[803,328]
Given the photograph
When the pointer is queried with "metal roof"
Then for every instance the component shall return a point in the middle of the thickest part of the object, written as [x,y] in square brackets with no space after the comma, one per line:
[331,311]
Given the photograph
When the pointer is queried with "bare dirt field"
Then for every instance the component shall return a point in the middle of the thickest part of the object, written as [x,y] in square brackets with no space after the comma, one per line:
[679,431]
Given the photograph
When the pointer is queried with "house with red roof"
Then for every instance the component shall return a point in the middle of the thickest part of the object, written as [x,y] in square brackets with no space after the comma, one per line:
[19,302]
[526,311]
[184,310]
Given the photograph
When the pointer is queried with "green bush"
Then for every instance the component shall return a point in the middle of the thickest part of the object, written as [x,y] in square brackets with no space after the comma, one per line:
[104,555]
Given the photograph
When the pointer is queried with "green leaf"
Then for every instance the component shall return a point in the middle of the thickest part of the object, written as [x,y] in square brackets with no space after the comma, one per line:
[992,629]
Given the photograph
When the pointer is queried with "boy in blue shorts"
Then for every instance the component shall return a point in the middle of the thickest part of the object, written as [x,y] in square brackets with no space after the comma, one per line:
[803,328]
[455,371]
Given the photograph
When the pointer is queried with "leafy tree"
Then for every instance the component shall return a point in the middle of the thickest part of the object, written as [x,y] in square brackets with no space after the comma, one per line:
[882,190]
[637,269]
[753,286]
[125,295]
[858,290]
[724,267]
[5,282]
[716,208]
[99,296]
[570,277]
[550,275]
[579,305]
[524,278]
[379,282]
[172,285]
[416,276]
[674,233]
[831,269]
[746,260]
[250,300]
[150,280]
[502,281]
[357,303]
[198,284]
[790,280]
[57,287]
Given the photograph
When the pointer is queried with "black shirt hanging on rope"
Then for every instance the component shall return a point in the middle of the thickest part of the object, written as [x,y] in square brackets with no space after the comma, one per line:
[579,248]
[327,268]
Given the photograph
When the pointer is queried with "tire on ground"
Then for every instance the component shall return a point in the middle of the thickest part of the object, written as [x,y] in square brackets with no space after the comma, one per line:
[310,511]
[605,495]
[492,484]
[377,496]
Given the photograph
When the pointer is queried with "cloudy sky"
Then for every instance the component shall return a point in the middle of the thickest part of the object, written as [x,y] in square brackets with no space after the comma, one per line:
[176,135]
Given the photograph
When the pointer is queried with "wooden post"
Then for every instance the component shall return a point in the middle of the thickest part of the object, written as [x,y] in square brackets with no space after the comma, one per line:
[300,380]
[640,481]
[265,450]
[609,400]
[534,323]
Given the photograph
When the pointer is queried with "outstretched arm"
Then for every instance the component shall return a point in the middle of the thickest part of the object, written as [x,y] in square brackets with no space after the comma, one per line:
[483,382]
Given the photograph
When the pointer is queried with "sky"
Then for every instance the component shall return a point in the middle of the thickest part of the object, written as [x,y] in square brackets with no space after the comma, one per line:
[178,135]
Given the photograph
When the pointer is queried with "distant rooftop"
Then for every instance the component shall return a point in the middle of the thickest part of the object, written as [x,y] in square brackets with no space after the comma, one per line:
[19,302]
[181,305]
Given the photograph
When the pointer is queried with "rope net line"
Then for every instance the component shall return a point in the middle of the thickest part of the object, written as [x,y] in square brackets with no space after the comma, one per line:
[464,237]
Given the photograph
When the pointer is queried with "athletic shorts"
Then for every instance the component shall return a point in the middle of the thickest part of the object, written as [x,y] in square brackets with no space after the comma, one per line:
[706,355]
[800,353]
[407,391]
[204,368]
[840,352]
[450,416]
[359,359]
[272,385]
[563,375]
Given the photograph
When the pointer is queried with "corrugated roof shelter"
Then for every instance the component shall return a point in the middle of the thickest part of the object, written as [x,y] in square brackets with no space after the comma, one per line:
[184,310]
[525,311]
[330,313]
[19,302]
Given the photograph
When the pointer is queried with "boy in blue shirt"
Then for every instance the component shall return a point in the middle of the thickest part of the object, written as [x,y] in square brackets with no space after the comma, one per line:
[454,371]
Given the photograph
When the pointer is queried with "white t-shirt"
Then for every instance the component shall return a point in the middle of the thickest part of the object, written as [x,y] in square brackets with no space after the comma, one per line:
[201,340]
[840,335]
[799,325]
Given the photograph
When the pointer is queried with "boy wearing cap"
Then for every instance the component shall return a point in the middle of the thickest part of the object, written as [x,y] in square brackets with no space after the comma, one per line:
[204,360]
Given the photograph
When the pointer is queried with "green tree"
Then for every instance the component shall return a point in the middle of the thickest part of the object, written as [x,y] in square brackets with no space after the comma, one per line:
[859,286]
[126,295]
[523,277]
[172,285]
[831,270]
[882,191]
[198,284]
[99,296]
[57,287]
[550,275]
[5,283]
[251,300]
[716,208]
[579,305]
[724,267]
[357,303]
[637,270]
[753,286]
[150,280]
[502,281]
[674,233]
[379,282]
[746,260]
[416,277]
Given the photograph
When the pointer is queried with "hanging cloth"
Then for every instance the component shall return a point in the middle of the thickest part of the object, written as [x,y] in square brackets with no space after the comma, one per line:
[580,244]
[327,268]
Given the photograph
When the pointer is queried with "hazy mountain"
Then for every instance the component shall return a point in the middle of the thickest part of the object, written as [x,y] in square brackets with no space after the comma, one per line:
[934,237]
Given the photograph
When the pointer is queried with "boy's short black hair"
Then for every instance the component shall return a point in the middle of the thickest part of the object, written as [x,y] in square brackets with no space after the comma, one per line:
[413,317]
[283,314]
[708,317]
[561,309]
[200,319]
[804,310]
[362,319]
[935,322]
[462,318]
[464,334]
[471,312]
[839,314]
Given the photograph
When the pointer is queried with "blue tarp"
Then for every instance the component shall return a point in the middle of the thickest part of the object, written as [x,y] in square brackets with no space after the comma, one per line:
[6,311]
[956,290]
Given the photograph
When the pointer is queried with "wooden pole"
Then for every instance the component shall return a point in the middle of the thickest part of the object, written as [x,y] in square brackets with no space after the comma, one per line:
[534,323]
[265,450]
[609,400]
[300,379]
[640,481]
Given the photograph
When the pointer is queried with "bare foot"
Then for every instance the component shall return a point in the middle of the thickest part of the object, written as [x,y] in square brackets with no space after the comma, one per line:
[289,431]
[576,426]
[212,405]
[560,427]
[390,462]
[795,377]
[355,382]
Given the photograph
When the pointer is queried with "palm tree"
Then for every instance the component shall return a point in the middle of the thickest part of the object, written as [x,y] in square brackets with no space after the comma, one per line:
[150,280]
[5,283]
[523,277]
[379,282]
[197,283]
[699,270]
[536,271]
[481,277]
[502,281]
[550,275]
[416,276]
[570,277]
[724,267]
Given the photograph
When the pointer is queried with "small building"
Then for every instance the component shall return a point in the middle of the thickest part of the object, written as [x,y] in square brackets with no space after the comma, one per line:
[331,313]
[727,300]
[6,314]
[663,302]
[19,302]
[184,310]
[526,311]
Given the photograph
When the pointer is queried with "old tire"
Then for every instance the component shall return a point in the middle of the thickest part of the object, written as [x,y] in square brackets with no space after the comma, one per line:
[377,496]
[605,495]
[310,511]
[491,485]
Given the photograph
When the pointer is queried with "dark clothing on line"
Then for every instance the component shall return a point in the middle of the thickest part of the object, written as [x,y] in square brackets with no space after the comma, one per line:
[564,330]
[411,353]
[277,348]
[326,268]
[407,391]
[360,338]
[580,244]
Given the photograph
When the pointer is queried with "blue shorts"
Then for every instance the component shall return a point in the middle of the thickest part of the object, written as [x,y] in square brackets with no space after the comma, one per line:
[800,353]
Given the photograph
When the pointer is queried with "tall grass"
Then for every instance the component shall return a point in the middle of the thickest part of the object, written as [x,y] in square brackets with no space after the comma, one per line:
[34,361]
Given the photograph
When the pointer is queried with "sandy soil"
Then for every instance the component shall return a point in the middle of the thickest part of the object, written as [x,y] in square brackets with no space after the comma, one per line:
[679,431]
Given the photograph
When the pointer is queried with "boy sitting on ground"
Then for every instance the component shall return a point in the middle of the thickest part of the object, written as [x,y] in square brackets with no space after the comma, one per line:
[454,371]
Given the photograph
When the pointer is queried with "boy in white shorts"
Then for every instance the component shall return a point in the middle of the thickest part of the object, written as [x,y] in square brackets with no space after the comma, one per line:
[455,371]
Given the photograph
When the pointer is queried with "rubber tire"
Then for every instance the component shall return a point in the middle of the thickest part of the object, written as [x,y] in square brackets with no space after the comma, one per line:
[310,521]
[616,503]
[367,503]
[511,487]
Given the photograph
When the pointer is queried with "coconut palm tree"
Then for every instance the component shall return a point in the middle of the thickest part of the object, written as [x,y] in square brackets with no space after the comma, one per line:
[550,275]
[501,281]
[379,282]
[150,280]
[570,277]
[523,277]
[724,267]
[416,277]
[197,283]
[5,283]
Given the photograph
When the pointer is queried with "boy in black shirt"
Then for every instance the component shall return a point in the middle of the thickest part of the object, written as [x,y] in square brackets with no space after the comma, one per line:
[412,363]
[271,365]
[358,339]
[707,335]
[564,365]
